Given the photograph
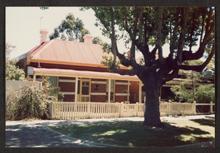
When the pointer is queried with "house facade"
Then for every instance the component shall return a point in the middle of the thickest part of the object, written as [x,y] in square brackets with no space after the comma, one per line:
[78,73]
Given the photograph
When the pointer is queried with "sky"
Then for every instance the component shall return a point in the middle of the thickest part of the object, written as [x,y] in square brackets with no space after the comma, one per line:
[23,26]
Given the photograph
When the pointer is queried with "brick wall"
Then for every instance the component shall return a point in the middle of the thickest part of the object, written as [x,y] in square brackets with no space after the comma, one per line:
[99,90]
[134,92]
[99,86]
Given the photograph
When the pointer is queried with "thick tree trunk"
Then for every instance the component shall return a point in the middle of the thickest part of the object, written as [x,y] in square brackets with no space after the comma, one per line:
[152,104]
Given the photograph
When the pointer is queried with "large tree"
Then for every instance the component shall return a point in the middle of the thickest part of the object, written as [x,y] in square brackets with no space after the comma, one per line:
[71,28]
[152,27]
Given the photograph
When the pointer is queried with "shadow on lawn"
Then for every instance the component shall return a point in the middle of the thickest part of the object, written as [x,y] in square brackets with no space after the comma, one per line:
[207,121]
[132,133]
[25,136]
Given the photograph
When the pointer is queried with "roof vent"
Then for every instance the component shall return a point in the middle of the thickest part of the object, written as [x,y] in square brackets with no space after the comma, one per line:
[88,39]
[43,35]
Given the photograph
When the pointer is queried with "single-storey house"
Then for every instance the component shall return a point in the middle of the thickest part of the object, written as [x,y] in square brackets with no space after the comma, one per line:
[79,74]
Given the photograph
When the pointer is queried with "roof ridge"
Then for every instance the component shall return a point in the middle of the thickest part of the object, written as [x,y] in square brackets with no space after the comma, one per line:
[77,42]
[44,44]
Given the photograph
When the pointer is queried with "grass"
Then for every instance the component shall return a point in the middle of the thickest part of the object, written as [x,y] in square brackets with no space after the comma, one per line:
[133,134]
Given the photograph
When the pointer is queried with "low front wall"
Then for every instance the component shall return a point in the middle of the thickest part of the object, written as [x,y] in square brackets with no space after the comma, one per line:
[84,110]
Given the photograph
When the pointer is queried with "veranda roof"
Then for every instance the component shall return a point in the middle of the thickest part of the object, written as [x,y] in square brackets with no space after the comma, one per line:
[83,74]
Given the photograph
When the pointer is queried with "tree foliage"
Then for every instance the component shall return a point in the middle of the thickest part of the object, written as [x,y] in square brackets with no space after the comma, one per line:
[13,73]
[71,29]
[181,27]
[144,28]
[50,85]
[204,93]
[44,7]
[182,93]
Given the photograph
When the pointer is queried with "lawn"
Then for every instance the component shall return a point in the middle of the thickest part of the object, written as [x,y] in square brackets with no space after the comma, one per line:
[132,133]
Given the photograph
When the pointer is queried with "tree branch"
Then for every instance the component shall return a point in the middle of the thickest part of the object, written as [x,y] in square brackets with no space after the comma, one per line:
[141,46]
[192,31]
[173,34]
[184,13]
[202,30]
[143,49]
[170,76]
[123,60]
[187,55]
[159,33]
[199,68]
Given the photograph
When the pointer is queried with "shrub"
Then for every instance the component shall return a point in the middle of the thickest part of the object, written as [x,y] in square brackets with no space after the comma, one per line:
[51,88]
[182,93]
[14,73]
[11,100]
[32,103]
[205,94]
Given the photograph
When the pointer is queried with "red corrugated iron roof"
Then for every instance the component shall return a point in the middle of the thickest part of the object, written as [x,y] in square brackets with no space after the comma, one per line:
[68,51]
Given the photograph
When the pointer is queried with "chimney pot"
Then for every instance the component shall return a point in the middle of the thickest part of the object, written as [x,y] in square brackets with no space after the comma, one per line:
[43,35]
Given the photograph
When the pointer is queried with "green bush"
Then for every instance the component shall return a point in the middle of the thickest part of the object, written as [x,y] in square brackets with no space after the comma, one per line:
[205,94]
[11,100]
[13,72]
[32,103]
[183,94]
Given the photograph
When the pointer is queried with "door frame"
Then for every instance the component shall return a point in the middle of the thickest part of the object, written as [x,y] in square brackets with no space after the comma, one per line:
[80,92]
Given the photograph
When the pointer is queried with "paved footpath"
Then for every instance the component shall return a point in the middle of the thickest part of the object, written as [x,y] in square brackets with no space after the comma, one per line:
[38,136]
[35,133]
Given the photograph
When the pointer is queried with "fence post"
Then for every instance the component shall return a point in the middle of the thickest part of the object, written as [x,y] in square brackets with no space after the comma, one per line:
[74,108]
[88,109]
[211,107]
[136,106]
[194,107]
[51,110]
[121,107]
[169,107]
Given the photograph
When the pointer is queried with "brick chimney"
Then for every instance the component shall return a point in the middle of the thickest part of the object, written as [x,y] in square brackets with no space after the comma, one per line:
[88,39]
[43,35]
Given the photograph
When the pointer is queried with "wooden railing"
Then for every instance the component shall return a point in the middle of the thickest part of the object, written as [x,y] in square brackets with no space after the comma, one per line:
[83,110]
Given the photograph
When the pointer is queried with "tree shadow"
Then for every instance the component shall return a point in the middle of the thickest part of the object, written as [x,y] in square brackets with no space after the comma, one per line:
[18,136]
[133,133]
[208,121]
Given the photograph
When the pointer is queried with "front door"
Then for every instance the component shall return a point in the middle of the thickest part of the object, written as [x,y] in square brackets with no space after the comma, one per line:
[85,90]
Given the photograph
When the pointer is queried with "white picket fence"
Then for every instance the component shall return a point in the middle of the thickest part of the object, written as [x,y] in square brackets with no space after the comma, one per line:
[83,110]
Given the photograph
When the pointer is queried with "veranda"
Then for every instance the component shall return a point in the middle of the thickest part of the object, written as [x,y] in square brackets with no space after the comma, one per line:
[82,107]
